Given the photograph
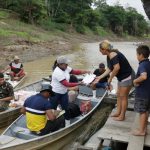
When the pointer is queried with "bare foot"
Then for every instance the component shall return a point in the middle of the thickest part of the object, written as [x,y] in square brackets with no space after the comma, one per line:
[119,118]
[115,115]
[138,133]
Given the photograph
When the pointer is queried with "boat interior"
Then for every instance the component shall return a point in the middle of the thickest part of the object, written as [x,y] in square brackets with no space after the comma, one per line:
[19,129]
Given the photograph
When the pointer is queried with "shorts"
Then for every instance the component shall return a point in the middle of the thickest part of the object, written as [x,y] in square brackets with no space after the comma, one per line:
[142,105]
[127,81]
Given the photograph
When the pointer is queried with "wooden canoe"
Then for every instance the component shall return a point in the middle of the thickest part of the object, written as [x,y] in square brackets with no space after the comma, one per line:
[17,136]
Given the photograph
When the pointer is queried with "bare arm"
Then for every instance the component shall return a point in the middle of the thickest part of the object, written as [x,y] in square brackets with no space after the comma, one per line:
[23,110]
[140,79]
[114,72]
[50,115]
[7,98]
[106,73]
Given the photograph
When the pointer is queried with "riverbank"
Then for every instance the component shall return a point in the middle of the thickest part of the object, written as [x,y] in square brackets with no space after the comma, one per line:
[59,44]
[31,42]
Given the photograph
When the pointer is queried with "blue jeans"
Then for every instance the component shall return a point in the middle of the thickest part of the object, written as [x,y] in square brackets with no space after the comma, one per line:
[61,99]
[101,85]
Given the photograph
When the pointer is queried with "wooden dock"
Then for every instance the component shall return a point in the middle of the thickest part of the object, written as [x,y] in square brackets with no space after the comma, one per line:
[120,131]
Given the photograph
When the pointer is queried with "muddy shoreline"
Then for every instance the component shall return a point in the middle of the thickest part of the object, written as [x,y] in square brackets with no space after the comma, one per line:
[29,51]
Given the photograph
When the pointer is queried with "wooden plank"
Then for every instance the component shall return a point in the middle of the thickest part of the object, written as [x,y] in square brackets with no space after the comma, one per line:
[117,130]
[147,137]
[93,142]
[136,142]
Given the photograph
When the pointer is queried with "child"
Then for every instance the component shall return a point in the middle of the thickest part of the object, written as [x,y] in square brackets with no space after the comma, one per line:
[142,84]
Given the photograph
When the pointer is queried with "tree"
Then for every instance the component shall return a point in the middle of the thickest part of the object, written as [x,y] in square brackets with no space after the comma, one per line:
[29,10]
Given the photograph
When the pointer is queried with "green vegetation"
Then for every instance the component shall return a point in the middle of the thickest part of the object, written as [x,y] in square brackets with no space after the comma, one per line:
[3,14]
[70,15]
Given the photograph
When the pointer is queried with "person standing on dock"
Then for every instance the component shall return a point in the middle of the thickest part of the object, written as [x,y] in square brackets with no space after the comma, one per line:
[142,93]
[117,65]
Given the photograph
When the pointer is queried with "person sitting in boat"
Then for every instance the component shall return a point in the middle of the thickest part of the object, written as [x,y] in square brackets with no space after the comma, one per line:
[41,119]
[6,93]
[103,82]
[60,82]
[16,67]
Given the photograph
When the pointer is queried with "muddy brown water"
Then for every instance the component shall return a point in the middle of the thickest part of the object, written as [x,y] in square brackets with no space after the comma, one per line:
[88,57]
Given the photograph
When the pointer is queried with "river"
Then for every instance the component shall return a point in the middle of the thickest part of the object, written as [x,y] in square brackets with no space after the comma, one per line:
[88,57]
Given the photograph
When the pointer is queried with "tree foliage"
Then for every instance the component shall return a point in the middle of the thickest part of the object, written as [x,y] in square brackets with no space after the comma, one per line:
[80,15]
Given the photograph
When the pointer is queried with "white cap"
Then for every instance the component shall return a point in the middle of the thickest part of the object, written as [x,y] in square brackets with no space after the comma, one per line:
[62,60]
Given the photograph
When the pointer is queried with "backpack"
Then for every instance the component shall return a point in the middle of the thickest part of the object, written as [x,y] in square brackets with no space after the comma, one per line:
[73,110]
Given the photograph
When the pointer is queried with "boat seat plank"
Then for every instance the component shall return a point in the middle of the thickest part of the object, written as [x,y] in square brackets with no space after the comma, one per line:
[136,142]
[24,133]
[85,90]
[9,141]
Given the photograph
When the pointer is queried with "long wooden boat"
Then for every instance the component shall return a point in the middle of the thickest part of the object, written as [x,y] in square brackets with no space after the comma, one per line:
[17,136]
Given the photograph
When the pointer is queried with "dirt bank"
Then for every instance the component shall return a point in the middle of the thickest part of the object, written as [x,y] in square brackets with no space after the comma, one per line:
[29,51]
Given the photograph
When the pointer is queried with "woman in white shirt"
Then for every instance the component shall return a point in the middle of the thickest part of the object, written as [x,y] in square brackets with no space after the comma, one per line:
[60,82]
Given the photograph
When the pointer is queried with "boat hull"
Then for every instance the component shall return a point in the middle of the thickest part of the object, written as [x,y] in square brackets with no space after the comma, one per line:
[41,142]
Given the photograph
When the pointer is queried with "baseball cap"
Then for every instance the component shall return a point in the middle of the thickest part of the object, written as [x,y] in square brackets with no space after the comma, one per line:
[62,60]
[47,87]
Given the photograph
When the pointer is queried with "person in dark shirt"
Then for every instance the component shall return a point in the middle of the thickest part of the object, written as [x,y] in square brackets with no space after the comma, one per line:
[117,65]
[6,93]
[102,83]
[142,90]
